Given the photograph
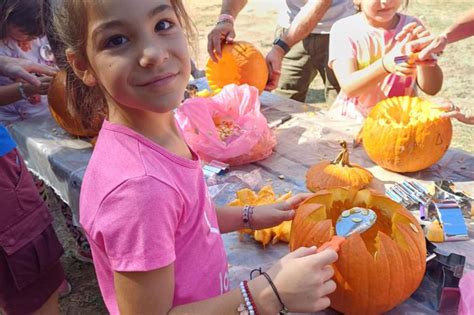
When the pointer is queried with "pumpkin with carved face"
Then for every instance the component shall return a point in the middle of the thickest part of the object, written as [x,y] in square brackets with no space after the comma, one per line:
[406,134]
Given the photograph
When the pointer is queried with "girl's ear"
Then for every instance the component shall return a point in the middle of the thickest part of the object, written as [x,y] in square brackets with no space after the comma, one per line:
[81,68]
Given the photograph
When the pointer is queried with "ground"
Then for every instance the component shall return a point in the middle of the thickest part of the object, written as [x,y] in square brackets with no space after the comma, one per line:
[257,24]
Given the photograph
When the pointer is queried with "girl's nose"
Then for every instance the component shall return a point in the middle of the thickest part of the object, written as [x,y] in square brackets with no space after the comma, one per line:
[153,55]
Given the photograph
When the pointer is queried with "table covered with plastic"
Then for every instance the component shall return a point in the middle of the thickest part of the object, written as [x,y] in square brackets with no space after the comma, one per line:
[305,135]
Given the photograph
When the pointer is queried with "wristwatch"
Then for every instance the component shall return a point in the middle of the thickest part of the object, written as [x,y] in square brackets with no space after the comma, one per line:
[280,42]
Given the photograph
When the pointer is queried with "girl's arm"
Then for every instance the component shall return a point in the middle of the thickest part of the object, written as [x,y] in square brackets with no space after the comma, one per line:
[429,78]
[11,93]
[355,82]
[302,279]
[230,218]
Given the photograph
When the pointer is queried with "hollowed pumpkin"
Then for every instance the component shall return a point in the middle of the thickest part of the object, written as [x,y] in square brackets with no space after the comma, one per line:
[337,173]
[406,134]
[376,270]
[63,114]
[241,63]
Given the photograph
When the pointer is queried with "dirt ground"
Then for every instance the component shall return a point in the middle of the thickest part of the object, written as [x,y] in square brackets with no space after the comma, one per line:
[257,24]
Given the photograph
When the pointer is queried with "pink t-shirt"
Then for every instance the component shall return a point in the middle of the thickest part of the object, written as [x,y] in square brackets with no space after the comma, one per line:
[144,208]
[353,38]
[38,51]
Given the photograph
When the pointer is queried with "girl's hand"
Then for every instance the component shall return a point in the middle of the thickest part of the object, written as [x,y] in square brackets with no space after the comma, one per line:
[303,279]
[452,111]
[272,215]
[42,89]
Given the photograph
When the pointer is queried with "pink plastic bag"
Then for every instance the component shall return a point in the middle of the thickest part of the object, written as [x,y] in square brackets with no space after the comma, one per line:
[466,287]
[227,127]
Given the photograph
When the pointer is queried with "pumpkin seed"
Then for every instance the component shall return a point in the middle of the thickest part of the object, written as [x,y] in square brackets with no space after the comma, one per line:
[365,212]
[414,228]
[356,220]
[346,213]
[355,210]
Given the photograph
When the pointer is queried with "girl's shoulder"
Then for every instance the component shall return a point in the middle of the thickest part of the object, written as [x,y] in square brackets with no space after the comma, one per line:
[350,24]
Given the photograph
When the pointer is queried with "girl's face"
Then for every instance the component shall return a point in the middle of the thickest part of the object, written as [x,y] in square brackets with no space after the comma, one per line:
[138,54]
[15,33]
[380,13]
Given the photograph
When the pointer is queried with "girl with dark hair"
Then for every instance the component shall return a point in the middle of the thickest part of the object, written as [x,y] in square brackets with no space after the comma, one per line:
[22,36]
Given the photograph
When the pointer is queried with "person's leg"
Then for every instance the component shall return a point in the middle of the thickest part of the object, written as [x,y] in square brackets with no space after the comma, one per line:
[297,72]
[320,53]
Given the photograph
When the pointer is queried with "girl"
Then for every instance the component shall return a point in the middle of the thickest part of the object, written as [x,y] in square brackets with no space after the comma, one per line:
[153,230]
[21,36]
[363,51]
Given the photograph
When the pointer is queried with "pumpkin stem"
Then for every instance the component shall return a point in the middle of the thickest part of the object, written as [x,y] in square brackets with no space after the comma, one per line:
[343,156]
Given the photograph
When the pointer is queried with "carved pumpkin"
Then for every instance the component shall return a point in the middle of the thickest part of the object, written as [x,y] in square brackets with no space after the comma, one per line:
[376,270]
[62,113]
[337,173]
[241,63]
[265,196]
[406,134]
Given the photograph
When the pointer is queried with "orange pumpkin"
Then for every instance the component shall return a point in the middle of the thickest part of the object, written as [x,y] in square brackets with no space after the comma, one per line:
[241,63]
[376,270]
[62,113]
[265,196]
[406,134]
[337,173]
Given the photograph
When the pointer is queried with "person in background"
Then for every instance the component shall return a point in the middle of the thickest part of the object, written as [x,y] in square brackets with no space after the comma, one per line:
[462,28]
[22,36]
[144,205]
[300,50]
[363,52]
[31,275]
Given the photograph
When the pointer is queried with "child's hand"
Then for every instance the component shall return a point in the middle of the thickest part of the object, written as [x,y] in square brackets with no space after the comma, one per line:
[272,215]
[453,111]
[303,279]
[42,89]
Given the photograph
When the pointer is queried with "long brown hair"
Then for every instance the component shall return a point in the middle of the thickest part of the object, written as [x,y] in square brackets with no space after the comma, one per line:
[70,32]
[25,14]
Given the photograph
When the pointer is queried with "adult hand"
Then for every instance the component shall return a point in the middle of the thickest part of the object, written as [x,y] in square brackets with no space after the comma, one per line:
[222,32]
[303,279]
[273,59]
[272,215]
[16,68]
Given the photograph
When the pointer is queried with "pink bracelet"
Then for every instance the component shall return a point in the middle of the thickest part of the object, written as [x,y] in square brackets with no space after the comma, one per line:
[225,18]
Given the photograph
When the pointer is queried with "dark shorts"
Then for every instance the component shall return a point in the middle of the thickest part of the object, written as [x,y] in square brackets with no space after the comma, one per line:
[31,275]
[30,270]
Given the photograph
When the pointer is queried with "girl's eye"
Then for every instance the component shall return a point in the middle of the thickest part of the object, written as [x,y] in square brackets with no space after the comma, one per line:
[163,25]
[116,41]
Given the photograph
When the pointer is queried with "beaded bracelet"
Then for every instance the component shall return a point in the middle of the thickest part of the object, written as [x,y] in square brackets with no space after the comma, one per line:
[21,89]
[247,213]
[284,309]
[248,307]
[223,18]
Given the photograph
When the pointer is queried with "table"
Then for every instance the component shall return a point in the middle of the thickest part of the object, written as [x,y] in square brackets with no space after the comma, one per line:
[305,135]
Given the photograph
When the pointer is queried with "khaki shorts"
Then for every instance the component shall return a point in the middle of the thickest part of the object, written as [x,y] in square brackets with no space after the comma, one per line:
[301,65]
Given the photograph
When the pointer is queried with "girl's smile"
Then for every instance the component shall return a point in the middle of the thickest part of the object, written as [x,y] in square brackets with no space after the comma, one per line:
[160,80]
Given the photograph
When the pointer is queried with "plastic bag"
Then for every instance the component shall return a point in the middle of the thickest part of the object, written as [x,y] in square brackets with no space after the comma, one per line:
[466,286]
[228,127]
